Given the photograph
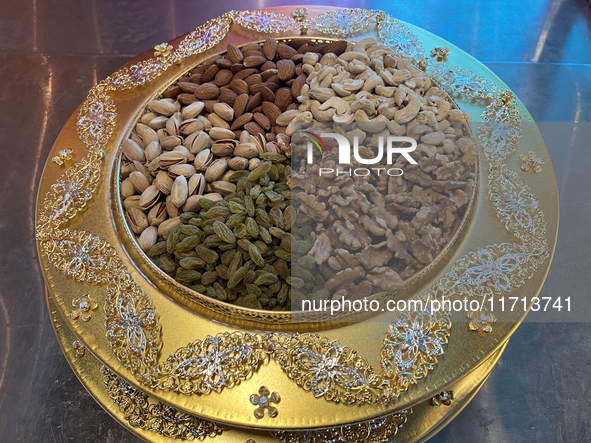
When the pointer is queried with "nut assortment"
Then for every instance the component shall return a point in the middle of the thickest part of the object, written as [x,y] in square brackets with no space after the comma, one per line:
[206,175]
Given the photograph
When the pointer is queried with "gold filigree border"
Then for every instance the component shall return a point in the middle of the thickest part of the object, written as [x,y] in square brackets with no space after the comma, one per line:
[413,343]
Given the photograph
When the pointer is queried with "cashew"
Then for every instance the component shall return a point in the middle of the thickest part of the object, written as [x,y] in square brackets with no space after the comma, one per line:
[401,75]
[352,85]
[372,82]
[385,91]
[329,59]
[365,124]
[338,88]
[365,105]
[387,77]
[409,112]
[354,55]
[340,105]
[311,58]
[443,107]
[356,67]
[321,94]
[344,119]
[304,117]
[404,63]
[322,115]
[365,43]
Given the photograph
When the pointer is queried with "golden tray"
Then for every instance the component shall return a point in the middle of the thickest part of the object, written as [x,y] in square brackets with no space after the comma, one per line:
[153,346]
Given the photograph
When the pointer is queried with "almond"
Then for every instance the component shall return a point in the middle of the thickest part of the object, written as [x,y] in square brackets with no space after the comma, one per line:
[253,129]
[241,121]
[268,65]
[188,87]
[271,111]
[285,69]
[253,79]
[172,92]
[255,101]
[210,73]
[269,48]
[196,78]
[223,77]
[234,53]
[296,86]
[268,95]
[224,63]
[207,91]
[265,75]
[336,48]
[284,51]
[239,86]
[253,60]
[236,68]
[240,104]
[283,98]
[186,99]
[256,52]
[228,97]
[262,120]
[297,59]
[251,47]
[244,73]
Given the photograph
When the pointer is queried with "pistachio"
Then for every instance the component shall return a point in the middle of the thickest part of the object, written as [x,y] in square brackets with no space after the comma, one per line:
[246,150]
[132,151]
[180,191]
[203,160]
[193,110]
[157,214]
[167,225]
[215,170]
[127,188]
[196,184]
[139,181]
[148,238]
[162,107]
[149,197]
[197,142]
[220,133]
[238,163]
[222,148]
[137,220]
[164,182]
[224,110]
[183,169]
[152,151]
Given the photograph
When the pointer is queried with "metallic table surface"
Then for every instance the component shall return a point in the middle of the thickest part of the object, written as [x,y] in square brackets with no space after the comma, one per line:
[51,53]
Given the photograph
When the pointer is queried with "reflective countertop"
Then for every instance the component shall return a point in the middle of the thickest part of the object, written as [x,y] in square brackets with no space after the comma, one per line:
[52,52]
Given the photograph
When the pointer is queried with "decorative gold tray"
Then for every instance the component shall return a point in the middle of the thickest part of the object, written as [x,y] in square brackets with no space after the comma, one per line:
[158,348]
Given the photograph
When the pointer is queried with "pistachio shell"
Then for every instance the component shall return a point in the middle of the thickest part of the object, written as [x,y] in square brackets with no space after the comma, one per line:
[127,188]
[162,107]
[223,187]
[152,151]
[147,134]
[238,163]
[167,225]
[148,238]
[220,133]
[149,197]
[180,191]
[139,181]
[246,150]
[203,160]
[132,151]
[137,220]
[164,182]
[216,170]
[197,142]
[157,214]
[183,169]
[193,110]
[196,184]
